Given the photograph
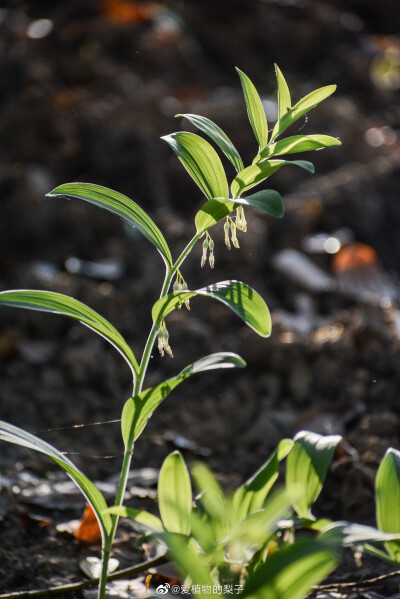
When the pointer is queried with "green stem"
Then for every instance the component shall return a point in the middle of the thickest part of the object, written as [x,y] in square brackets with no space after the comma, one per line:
[136,390]
[104,568]
[154,329]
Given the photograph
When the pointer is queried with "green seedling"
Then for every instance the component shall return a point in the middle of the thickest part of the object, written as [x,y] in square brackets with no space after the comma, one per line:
[253,541]
[224,202]
[387,491]
[306,469]
[245,541]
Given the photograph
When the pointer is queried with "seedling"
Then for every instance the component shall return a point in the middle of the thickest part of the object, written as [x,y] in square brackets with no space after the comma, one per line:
[226,542]
[223,203]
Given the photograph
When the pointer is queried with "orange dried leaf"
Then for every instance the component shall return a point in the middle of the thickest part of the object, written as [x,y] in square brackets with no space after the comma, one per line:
[354,256]
[88,530]
[124,11]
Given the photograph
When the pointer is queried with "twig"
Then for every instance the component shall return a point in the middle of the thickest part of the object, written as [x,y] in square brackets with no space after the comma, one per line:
[84,584]
[360,583]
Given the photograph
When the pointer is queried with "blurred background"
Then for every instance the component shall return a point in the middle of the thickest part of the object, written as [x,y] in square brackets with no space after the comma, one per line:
[86,89]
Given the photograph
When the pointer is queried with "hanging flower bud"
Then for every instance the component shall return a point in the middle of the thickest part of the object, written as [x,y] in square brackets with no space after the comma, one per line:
[234,238]
[242,219]
[226,231]
[161,342]
[239,218]
[177,287]
[185,288]
[166,344]
[205,251]
[211,256]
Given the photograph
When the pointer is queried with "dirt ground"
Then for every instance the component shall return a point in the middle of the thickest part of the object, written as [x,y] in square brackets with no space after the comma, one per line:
[87,89]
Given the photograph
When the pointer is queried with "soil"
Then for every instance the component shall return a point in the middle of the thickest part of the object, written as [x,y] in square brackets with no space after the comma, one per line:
[87,89]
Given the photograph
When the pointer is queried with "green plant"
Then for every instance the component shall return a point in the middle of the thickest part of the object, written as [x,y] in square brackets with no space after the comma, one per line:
[223,203]
[254,543]
[244,542]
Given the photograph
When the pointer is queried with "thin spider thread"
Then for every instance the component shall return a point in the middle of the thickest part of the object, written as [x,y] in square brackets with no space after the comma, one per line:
[82,426]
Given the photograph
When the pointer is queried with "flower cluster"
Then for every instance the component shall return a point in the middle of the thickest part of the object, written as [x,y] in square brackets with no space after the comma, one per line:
[180,285]
[208,245]
[232,226]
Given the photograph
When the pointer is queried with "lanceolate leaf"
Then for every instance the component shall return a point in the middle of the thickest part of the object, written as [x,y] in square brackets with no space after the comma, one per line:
[291,572]
[239,297]
[191,563]
[118,204]
[349,534]
[301,108]
[175,494]
[387,488]
[267,200]
[257,527]
[251,496]
[256,173]
[137,410]
[13,434]
[57,303]
[255,110]
[306,468]
[211,504]
[298,143]
[218,136]
[201,162]
[284,101]
[213,211]
[144,519]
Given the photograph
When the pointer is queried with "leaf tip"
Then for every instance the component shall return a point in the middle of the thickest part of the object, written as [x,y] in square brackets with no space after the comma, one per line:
[53,192]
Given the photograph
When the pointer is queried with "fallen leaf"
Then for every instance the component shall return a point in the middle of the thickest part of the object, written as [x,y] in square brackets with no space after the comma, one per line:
[88,530]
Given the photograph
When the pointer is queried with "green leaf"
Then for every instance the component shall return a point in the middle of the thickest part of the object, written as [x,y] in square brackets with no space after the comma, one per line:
[213,211]
[251,496]
[387,490]
[379,553]
[141,517]
[255,110]
[301,108]
[218,136]
[137,410]
[256,173]
[257,528]
[284,101]
[239,297]
[306,468]
[118,204]
[291,572]
[267,200]
[201,162]
[175,494]
[349,534]
[191,563]
[57,303]
[204,479]
[211,501]
[13,434]
[298,143]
